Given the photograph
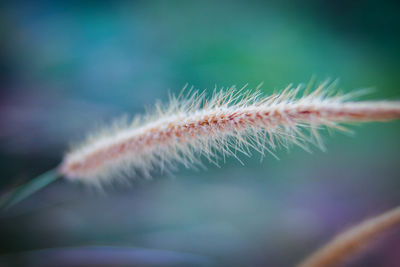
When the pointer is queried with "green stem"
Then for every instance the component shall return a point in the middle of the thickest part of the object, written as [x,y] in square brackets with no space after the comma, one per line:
[24,191]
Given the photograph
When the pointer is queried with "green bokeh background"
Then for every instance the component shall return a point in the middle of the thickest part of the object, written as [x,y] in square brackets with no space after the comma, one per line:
[68,66]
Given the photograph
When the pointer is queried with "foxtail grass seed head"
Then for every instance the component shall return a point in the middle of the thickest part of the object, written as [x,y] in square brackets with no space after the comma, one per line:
[230,121]
[353,241]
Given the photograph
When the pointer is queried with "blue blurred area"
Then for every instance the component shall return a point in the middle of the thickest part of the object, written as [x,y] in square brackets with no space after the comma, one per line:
[67,67]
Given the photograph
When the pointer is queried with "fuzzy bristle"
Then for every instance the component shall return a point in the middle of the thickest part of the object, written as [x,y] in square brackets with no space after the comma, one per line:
[228,122]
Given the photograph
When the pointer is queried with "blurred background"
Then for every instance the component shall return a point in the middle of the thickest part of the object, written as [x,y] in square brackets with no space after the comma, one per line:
[68,66]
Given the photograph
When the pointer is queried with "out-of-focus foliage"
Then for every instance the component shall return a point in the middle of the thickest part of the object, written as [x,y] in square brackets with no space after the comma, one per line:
[67,67]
